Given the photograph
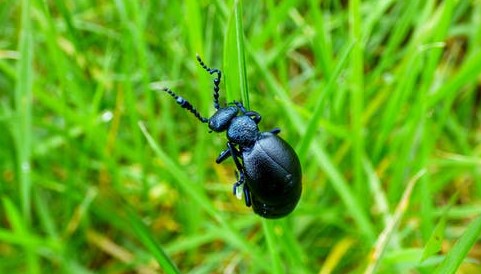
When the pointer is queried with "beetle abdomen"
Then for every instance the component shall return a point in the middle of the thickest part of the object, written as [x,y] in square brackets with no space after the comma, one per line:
[273,174]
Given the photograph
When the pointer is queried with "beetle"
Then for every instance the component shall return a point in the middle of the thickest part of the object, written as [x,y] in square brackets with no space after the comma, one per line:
[268,169]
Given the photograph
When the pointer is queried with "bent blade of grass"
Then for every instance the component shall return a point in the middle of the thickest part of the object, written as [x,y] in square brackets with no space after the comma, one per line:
[379,195]
[382,242]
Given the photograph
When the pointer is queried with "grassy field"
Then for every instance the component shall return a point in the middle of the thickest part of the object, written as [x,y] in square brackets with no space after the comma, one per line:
[102,172]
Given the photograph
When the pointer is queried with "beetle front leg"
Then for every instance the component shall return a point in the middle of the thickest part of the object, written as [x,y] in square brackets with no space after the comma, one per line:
[254,115]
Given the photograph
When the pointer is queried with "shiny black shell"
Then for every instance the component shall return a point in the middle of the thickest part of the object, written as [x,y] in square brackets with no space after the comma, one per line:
[273,175]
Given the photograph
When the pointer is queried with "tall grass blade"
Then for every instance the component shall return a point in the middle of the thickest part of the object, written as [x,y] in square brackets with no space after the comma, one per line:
[234,57]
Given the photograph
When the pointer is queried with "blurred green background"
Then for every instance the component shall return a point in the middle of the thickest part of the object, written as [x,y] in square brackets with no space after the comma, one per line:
[101,172]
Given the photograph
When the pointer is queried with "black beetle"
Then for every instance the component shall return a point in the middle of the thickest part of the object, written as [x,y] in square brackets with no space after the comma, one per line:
[269,171]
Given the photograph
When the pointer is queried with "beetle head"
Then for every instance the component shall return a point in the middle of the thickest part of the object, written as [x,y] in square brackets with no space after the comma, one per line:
[222,118]
[242,131]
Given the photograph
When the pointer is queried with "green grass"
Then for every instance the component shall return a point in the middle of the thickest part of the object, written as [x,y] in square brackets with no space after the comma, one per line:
[102,172]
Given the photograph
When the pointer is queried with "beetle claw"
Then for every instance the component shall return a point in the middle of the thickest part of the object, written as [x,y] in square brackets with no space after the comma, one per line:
[238,191]
[238,187]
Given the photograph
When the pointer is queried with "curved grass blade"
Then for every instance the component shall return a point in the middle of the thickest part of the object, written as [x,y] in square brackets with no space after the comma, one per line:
[382,242]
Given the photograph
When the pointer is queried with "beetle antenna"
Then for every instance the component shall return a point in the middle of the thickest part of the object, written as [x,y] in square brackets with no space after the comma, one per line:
[185,104]
[216,80]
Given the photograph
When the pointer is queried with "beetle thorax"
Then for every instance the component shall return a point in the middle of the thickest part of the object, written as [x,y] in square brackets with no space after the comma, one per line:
[242,131]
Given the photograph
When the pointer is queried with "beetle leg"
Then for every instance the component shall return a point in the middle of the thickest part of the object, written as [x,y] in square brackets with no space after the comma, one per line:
[236,155]
[230,151]
[247,195]
[241,184]
[240,106]
[235,191]
[275,131]
[223,155]
[254,116]
[238,184]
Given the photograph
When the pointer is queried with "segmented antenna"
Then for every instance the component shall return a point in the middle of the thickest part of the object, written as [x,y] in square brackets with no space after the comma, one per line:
[216,80]
[185,104]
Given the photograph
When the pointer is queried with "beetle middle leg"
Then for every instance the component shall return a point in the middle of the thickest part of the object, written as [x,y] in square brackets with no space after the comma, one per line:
[231,150]
[235,153]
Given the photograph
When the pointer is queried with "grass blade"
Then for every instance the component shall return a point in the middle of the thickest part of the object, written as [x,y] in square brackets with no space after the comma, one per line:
[23,126]
[234,57]
[458,253]
[23,105]
[268,229]
[312,126]
[145,237]
[434,243]
[389,230]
